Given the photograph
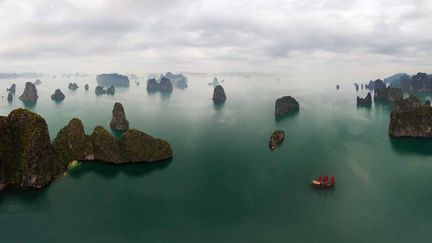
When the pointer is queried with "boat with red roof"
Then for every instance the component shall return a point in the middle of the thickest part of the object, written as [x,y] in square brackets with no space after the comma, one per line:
[323,182]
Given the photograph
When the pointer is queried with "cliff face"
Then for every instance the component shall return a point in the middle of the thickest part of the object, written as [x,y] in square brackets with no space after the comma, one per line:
[411,119]
[388,94]
[285,105]
[27,157]
[30,93]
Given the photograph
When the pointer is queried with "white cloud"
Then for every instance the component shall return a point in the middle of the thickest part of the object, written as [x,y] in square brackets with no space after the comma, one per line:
[221,35]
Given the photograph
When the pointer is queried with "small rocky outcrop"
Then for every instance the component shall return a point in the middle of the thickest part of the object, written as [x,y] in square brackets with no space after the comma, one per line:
[286,105]
[337,86]
[37,82]
[427,103]
[411,119]
[389,94]
[73,86]
[58,95]
[113,79]
[152,85]
[219,94]
[30,93]
[12,88]
[10,97]
[366,101]
[86,87]
[362,86]
[99,90]
[356,86]
[276,138]
[165,85]
[110,90]
[118,121]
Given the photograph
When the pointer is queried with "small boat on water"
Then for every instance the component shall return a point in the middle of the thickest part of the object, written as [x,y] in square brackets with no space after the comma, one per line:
[323,182]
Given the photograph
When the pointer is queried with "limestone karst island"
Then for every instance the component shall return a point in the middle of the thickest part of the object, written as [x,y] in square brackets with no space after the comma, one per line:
[215,121]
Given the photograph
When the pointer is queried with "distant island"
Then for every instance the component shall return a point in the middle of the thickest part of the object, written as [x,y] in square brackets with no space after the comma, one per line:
[112,79]
[420,82]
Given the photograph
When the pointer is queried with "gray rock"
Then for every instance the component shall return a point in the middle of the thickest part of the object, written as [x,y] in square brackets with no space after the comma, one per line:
[58,95]
[30,93]
[219,94]
[285,105]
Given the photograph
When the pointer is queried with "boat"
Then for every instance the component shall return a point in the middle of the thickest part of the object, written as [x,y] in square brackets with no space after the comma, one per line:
[322,182]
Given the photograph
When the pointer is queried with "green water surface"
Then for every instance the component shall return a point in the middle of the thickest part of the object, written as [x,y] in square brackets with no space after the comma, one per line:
[223,183]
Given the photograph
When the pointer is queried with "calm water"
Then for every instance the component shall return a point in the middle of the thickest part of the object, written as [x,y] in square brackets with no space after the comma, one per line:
[224,184]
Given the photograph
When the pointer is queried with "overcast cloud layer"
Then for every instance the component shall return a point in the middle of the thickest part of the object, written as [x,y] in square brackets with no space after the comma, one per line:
[214,36]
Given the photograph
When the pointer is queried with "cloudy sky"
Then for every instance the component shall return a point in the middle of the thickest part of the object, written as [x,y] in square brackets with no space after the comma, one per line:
[347,36]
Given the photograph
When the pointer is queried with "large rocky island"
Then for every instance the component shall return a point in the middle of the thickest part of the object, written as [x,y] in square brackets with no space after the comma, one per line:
[112,79]
[411,119]
[28,159]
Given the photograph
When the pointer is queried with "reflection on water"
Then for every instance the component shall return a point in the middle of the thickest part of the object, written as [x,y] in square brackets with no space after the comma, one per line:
[412,145]
[291,114]
[109,170]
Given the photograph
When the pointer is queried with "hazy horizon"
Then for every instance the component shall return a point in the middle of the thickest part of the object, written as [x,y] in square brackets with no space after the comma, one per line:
[343,40]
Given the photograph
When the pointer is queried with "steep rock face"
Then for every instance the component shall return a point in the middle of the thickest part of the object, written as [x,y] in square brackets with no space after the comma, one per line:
[58,95]
[10,97]
[411,119]
[366,101]
[113,79]
[73,86]
[30,93]
[12,88]
[165,85]
[276,138]
[118,121]
[73,143]
[99,90]
[152,85]
[86,87]
[27,157]
[388,94]
[110,90]
[219,95]
[285,105]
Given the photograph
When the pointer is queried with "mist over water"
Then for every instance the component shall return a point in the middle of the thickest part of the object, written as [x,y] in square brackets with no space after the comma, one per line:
[224,183]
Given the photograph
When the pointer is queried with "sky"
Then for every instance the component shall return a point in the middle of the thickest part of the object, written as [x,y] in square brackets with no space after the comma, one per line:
[347,38]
